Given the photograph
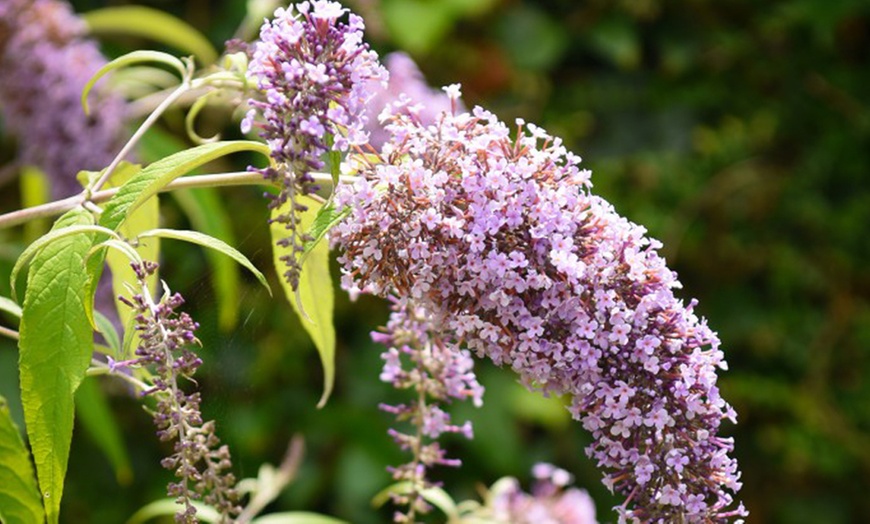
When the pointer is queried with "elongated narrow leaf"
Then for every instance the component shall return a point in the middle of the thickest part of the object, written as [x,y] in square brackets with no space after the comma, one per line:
[99,422]
[204,240]
[158,175]
[55,351]
[297,517]
[315,291]
[130,58]
[190,119]
[55,236]
[19,496]
[207,213]
[151,23]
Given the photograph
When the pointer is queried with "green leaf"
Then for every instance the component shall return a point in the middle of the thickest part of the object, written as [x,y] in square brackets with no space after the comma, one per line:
[55,236]
[195,237]
[315,294]
[327,217]
[19,496]
[158,175]
[145,217]
[110,334]
[10,306]
[131,58]
[166,507]
[97,419]
[55,351]
[190,119]
[154,24]
[297,517]
[207,213]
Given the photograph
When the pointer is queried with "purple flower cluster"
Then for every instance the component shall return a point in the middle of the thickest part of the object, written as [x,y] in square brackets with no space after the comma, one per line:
[417,358]
[500,239]
[45,62]
[551,501]
[313,72]
[406,83]
[199,460]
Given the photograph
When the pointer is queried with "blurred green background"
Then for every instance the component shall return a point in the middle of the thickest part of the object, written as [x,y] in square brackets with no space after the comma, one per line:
[737,132]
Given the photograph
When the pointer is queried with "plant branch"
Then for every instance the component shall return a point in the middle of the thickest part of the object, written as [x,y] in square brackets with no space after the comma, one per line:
[146,125]
[58,207]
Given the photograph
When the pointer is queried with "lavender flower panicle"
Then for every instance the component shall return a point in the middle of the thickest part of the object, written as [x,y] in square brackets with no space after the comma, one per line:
[314,73]
[419,359]
[501,238]
[199,460]
[551,501]
[45,62]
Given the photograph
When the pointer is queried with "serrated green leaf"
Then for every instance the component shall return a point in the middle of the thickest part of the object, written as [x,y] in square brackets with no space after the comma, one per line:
[165,507]
[154,24]
[57,234]
[156,176]
[97,419]
[9,306]
[315,291]
[195,237]
[19,496]
[206,213]
[131,58]
[297,517]
[55,351]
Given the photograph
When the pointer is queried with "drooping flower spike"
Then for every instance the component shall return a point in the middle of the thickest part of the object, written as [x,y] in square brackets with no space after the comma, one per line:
[501,239]
[418,358]
[199,461]
[314,76]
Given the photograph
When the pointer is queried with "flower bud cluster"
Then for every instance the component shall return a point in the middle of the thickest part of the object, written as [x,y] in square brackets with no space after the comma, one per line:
[551,500]
[199,461]
[502,241]
[45,62]
[313,72]
[417,358]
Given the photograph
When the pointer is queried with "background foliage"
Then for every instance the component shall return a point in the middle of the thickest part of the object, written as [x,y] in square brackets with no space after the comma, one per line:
[737,132]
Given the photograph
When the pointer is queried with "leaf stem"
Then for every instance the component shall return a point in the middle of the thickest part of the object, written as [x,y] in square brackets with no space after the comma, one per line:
[58,207]
[146,125]
[11,333]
